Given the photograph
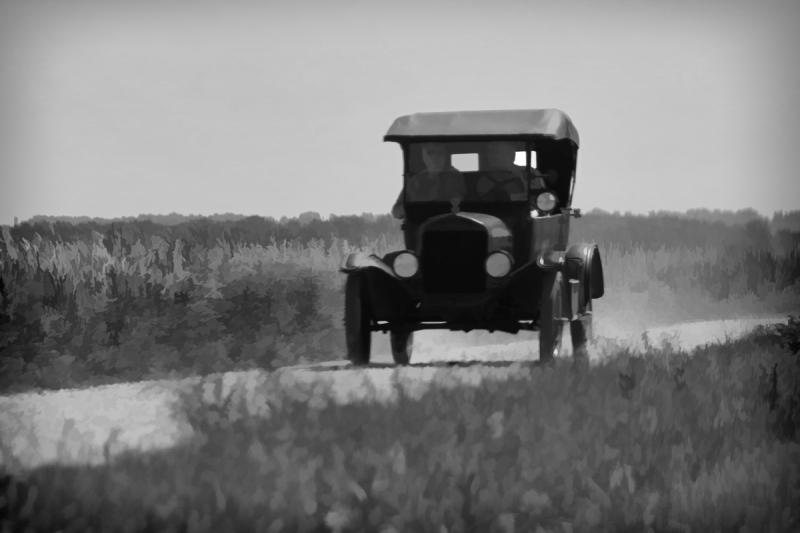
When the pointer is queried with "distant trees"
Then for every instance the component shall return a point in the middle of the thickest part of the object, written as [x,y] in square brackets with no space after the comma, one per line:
[655,231]
[786,221]
[731,218]
[308,217]
[206,231]
[166,220]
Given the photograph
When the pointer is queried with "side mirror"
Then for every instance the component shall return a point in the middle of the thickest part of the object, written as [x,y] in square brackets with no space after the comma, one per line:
[576,212]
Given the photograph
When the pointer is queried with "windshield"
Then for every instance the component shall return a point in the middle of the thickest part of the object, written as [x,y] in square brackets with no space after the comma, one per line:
[484,171]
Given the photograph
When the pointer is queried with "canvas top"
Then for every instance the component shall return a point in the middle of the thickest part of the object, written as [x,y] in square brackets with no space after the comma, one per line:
[518,123]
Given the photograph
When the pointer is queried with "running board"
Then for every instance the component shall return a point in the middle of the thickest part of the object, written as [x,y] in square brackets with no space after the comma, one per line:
[507,327]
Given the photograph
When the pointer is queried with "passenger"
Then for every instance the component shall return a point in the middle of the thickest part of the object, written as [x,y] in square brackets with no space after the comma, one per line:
[502,179]
[502,176]
[544,179]
[439,181]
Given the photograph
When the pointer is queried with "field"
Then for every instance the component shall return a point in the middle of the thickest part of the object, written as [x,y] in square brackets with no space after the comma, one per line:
[667,440]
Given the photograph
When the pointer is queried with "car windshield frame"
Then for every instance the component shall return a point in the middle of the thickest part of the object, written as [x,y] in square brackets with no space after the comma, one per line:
[496,167]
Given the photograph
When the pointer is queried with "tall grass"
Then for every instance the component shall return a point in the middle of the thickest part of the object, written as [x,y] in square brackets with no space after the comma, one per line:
[109,311]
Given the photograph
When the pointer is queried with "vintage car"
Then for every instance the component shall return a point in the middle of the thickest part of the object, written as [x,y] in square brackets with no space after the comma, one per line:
[486,208]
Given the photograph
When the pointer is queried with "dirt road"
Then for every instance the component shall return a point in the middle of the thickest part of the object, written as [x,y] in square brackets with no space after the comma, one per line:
[93,425]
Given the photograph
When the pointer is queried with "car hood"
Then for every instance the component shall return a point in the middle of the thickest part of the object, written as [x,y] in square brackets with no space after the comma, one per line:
[500,237]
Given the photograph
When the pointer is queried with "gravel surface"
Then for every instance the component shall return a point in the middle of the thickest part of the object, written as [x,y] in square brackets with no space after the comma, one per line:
[91,426]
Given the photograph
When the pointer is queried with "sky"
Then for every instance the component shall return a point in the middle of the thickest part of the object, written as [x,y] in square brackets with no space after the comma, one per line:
[115,108]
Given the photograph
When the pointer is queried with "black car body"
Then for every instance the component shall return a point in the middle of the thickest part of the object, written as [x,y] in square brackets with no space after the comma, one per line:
[493,255]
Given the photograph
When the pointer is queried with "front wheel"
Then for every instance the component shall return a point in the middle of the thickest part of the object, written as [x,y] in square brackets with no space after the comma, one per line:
[550,328]
[357,320]
[402,342]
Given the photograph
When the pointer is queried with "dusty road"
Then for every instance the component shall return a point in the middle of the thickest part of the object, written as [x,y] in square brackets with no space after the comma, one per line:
[92,425]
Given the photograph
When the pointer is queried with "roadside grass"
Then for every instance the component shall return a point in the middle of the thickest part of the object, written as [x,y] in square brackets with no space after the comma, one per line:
[666,441]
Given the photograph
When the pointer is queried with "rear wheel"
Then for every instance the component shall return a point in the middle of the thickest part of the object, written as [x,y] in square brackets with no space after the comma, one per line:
[402,342]
[550,329]
[357,319]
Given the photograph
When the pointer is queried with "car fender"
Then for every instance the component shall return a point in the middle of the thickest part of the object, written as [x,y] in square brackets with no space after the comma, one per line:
[357,261]
[583,263]
[390,297]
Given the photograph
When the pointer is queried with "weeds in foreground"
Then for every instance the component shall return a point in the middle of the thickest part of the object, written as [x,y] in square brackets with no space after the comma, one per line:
[683,442]
[780,384]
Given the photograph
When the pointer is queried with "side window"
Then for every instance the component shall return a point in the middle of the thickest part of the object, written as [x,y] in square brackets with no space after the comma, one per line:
[465,162]
[519,159]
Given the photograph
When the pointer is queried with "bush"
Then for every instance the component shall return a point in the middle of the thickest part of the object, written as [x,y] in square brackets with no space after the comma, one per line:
[790,334]
[780,384]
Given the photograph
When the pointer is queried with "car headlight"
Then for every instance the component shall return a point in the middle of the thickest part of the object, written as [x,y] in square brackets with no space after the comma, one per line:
[498,264]
[546,201]
[405,264]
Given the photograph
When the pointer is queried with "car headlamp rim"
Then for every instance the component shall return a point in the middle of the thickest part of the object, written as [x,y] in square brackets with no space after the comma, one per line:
[499,264]
[405,265]
[546,201]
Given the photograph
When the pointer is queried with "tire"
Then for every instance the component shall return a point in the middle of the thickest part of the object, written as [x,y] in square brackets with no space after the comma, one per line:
[581,333]
[550,329]
[357,319]
[402,342]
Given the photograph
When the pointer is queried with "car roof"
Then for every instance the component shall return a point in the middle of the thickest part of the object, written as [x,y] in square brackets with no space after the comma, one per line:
[508,123]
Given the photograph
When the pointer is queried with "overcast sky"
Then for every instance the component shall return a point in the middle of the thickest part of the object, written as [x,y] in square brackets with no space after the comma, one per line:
[116,109]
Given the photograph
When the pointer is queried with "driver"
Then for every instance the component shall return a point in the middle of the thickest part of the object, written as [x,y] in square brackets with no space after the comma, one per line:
[439,181]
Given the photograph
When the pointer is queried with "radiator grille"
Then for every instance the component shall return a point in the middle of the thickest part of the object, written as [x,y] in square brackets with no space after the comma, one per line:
[453,261]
